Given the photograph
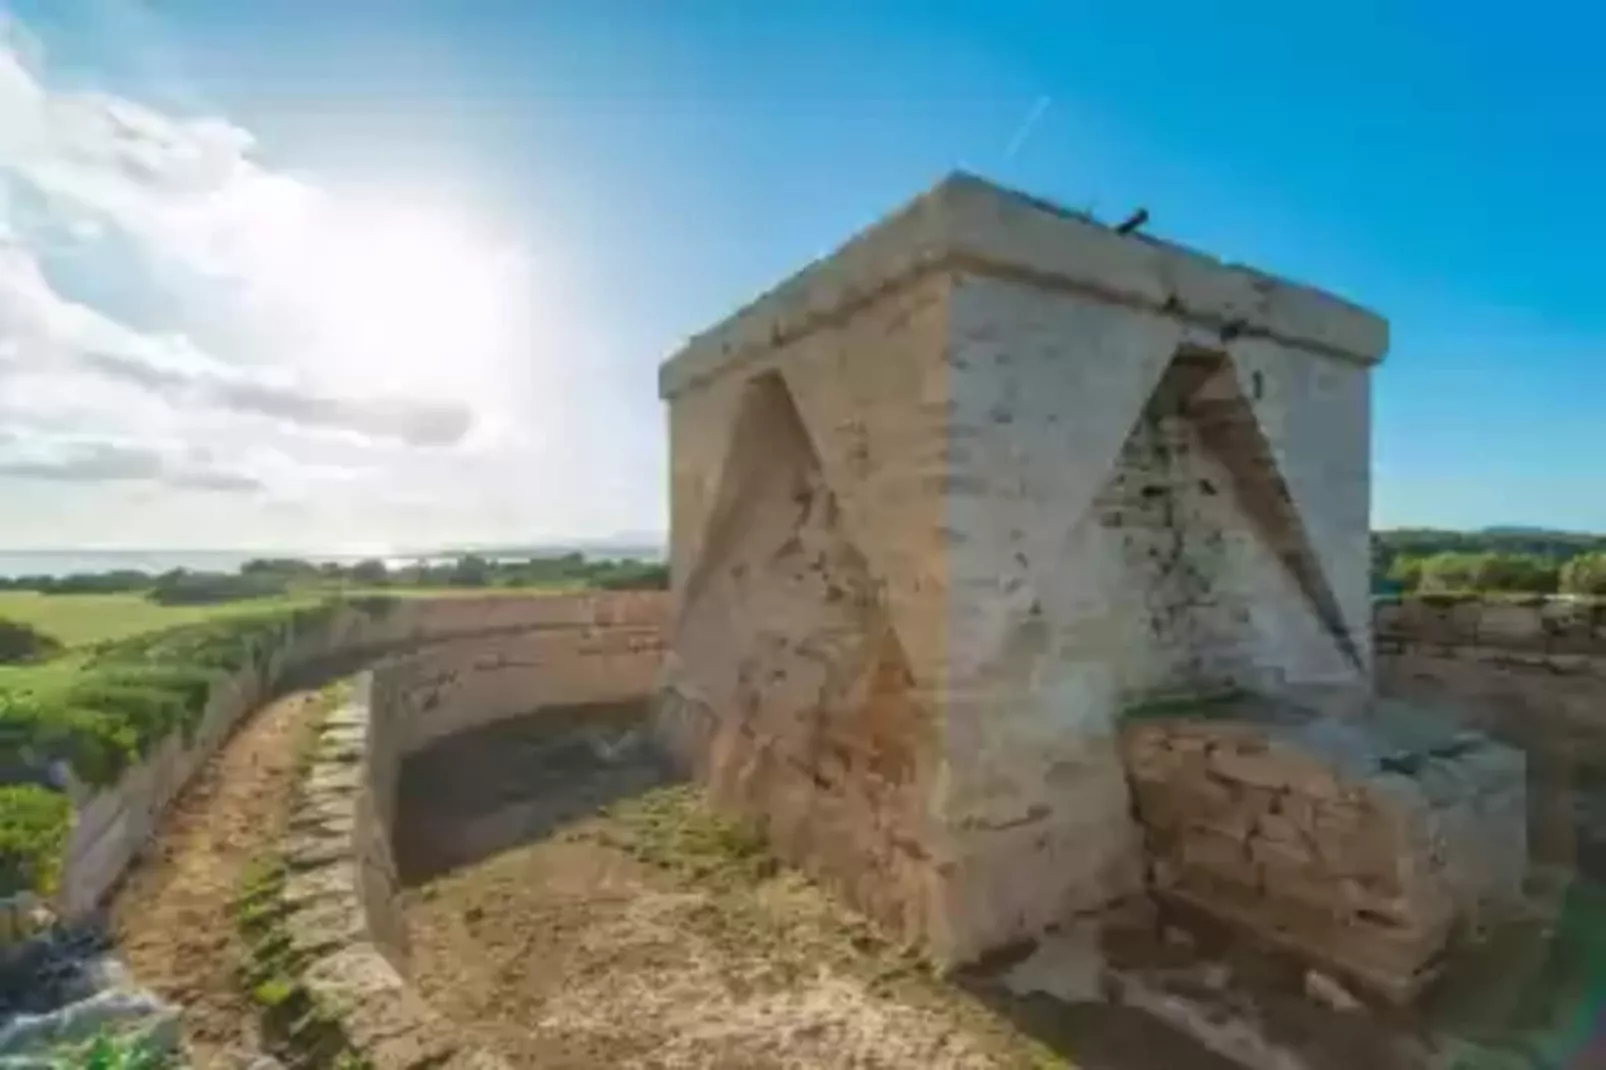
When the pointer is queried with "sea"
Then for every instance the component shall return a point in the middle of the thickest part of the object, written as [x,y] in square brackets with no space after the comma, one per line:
[67,562]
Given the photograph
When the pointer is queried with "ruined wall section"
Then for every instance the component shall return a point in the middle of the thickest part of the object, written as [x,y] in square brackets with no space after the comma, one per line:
[1359,847]
[1532,673]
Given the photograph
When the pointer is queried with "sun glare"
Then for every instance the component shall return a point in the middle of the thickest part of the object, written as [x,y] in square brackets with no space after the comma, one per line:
[397,297]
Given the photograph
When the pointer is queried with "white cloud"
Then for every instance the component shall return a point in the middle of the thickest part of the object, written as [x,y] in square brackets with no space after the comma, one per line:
[352,362]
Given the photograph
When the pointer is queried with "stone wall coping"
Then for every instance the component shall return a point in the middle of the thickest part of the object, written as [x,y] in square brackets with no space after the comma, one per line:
[969,225]
[330,913]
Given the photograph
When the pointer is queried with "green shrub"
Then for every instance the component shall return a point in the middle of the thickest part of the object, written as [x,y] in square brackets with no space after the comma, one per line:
[34,823]
[182,588]
[631,576]
[117,581]
[21,642]
[136,1050]
[132,693]
[1447,572]
[1585,574]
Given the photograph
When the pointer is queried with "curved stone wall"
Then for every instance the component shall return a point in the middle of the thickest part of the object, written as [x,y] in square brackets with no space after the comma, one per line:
[340,898]
[112,825]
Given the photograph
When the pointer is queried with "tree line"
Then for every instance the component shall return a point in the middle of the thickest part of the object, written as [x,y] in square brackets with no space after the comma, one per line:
[266,577]
[1519,561]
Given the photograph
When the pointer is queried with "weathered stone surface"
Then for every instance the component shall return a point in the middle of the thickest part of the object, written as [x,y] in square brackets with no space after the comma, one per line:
[382,1016]
[945,504]
[1358,844]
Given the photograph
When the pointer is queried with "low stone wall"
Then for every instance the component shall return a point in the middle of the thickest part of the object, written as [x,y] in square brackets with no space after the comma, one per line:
[454,686]
[1531,673]
[1561,628]
[1359,846]
[112,825]
[343,918]
[1502,663]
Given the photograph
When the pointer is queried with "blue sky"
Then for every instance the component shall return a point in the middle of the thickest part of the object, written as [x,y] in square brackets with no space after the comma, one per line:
[658,163]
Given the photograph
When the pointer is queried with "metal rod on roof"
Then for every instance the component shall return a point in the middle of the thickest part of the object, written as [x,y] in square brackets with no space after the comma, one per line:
[1133,221]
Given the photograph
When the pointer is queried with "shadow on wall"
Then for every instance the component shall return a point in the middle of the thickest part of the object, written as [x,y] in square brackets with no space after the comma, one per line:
[480,792]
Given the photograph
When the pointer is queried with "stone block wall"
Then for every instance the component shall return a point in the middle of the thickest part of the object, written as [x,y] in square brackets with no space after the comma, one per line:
[1351,844]
[112,825]
[946,503]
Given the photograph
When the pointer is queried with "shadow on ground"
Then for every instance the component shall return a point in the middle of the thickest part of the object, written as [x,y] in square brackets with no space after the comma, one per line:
[478,793]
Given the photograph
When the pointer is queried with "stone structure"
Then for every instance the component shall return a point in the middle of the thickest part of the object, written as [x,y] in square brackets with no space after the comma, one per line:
[1531,672]
[1359,844]
[340,905]
[947,503]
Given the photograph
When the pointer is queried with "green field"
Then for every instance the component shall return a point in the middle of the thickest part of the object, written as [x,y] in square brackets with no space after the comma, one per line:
[80,620]
[132,674]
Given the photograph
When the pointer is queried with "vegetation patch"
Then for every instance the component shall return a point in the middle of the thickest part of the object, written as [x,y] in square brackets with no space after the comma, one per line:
[134,1050]
[672,829]
[1450,563]
[102,710]
[126,696]
[183,588]
[22,642]
[34,822]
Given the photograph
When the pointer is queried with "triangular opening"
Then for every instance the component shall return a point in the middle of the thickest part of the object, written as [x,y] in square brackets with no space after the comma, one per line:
[768,445]
[1211,398]
[783,635]
[1194,511]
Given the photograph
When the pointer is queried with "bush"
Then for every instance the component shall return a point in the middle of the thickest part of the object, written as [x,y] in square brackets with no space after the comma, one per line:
[21,642]
[288,567]
[34,823]
[370,572]
[115,582]
[1406,571]
[1585,574]
[1446,572]
[632,576]
[470,571]
[183,588]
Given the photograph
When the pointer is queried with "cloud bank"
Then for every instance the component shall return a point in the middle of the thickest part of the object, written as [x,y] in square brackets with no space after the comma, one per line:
[182,323]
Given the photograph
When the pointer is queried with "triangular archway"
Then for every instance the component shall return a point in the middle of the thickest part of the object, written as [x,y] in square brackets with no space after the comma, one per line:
[1201,388]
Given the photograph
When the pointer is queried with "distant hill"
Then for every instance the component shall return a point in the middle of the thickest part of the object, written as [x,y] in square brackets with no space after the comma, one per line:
[1523,529]
[1505,539]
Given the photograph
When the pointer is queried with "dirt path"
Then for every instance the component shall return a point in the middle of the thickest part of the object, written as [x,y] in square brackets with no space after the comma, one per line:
[174,917]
